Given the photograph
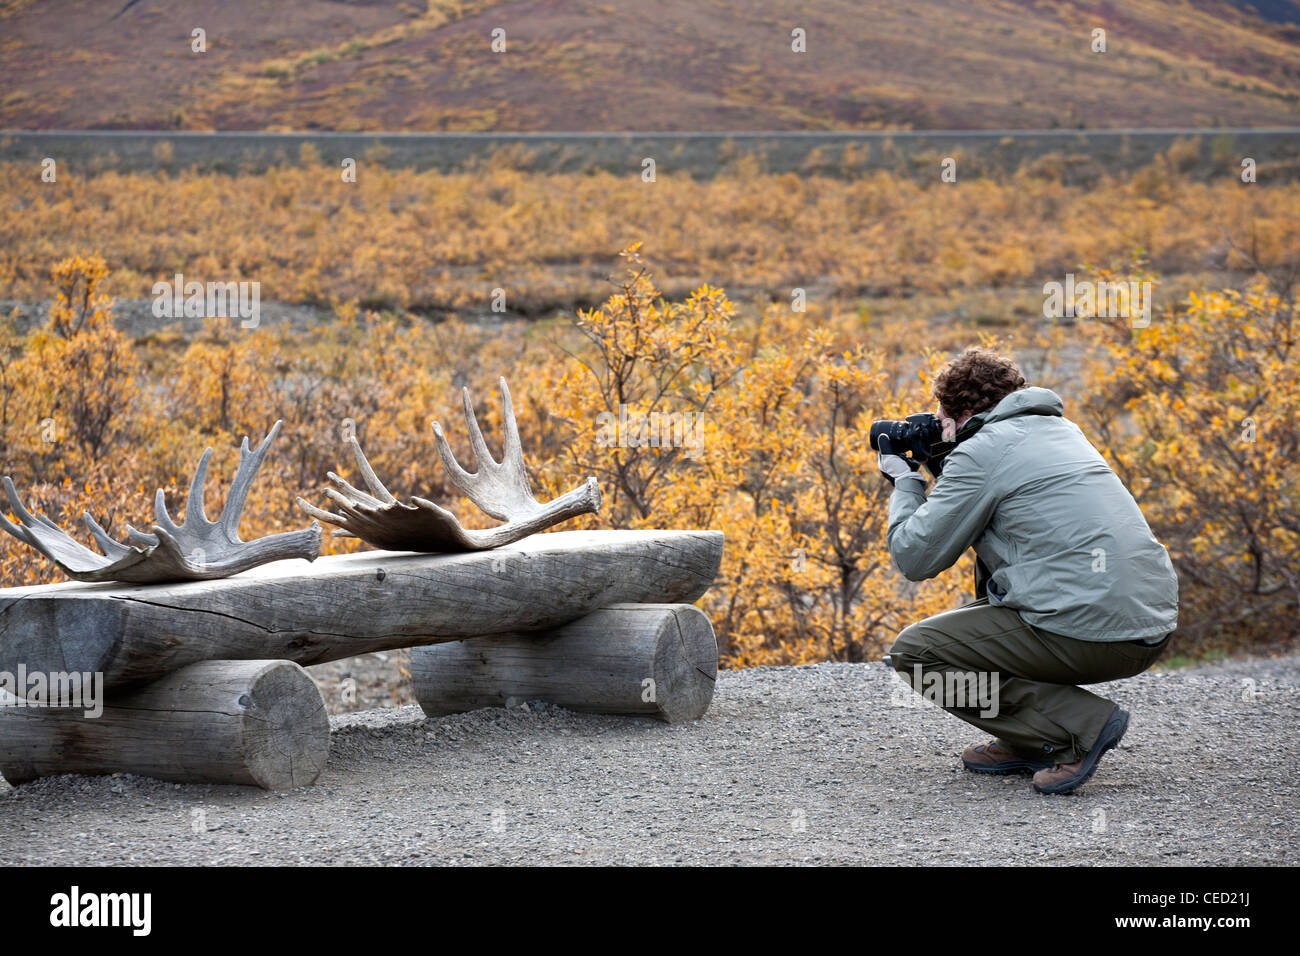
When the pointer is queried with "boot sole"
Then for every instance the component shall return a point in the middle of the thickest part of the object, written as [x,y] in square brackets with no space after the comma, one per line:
[1093,758]
[1006,767]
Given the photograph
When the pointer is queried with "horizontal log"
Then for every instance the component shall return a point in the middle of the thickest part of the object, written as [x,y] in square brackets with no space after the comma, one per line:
[345,605]
[654,659]
[259,723]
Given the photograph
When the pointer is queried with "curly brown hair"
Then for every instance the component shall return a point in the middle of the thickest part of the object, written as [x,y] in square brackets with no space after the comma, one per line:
[975,381]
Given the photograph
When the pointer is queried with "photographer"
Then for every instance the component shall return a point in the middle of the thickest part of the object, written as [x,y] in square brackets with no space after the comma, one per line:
[1071,586]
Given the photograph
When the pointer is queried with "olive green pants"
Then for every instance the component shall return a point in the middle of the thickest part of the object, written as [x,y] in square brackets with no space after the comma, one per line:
[1016,681]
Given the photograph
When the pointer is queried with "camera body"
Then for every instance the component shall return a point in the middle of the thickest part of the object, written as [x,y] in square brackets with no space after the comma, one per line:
[921,437]
[918,435]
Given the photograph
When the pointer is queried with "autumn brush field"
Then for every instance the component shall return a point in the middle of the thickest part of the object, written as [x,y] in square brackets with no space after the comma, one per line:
[1200,412]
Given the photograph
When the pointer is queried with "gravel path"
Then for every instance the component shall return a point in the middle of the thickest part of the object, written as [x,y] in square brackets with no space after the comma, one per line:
[820,764]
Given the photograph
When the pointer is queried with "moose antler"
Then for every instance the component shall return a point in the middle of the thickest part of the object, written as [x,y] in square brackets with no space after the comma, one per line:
[198,549]
[498,488]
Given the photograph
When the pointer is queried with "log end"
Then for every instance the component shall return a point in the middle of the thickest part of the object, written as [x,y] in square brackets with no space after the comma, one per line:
[686,664]
[286,730]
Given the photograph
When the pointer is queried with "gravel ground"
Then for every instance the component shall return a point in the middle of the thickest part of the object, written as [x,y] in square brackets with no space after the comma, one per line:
[830,763]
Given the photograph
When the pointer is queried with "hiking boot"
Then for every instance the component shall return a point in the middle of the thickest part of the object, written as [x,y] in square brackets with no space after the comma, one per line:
[1068,777]
[992,758]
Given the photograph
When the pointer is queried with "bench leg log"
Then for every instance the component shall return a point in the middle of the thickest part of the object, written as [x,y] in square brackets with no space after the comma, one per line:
[245,722]
[655,659]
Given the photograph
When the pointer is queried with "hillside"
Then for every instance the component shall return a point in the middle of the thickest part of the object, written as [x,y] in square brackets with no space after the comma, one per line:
[579,65]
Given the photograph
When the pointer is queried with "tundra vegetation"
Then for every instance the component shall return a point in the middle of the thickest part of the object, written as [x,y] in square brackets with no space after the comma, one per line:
[1199,412]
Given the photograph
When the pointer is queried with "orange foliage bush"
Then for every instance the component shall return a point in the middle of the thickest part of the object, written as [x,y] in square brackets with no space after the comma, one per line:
[691,415]
[1200,415]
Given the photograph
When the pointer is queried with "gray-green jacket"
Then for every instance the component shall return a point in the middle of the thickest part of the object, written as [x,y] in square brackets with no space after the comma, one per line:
[1066,544]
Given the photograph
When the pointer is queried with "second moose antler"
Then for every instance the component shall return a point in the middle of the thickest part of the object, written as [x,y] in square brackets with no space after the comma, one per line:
[499,489]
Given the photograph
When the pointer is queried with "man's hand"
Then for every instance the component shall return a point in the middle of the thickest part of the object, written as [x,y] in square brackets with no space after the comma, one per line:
[894,466]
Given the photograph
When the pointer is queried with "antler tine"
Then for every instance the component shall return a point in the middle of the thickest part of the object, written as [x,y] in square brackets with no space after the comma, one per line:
[16,505]
[161,518]
[318,513]
[29,519]
[195,513]
[482,457]
[459,476]
[513,452]
[354,492]
[250,462]
[140,538]
[368,475]
[345,504]
[13,529]
[43,520]
[24,516]
[111,548]
[62,542]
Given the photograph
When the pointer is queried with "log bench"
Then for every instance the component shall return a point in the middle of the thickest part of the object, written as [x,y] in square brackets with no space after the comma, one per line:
[204,682]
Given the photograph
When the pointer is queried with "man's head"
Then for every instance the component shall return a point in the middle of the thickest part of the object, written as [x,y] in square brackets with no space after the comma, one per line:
[974,382]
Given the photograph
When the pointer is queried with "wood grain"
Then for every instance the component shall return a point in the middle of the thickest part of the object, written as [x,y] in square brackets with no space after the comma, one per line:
[344,605]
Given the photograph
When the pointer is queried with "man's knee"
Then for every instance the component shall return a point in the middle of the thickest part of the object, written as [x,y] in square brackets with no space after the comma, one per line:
[913,647]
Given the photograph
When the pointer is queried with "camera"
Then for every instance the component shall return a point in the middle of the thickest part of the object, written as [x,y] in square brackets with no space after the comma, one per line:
[921,436]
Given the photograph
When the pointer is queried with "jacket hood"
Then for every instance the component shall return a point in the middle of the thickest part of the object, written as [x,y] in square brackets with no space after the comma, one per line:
[1026,401]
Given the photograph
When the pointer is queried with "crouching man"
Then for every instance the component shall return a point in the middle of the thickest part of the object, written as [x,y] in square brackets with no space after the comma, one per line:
[1076,589]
